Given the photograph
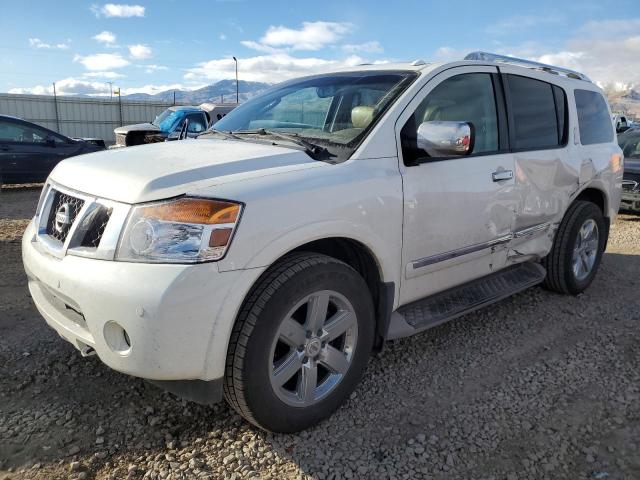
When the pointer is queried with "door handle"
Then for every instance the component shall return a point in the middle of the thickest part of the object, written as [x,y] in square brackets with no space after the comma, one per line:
[5,148]
[502,175]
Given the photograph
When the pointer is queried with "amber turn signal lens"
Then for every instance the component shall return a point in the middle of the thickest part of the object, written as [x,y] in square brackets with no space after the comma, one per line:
[616,163]
[220,237]
[195,210]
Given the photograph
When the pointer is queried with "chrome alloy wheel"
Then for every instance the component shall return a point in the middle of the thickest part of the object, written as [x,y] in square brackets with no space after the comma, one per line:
[313,348]
[585,250]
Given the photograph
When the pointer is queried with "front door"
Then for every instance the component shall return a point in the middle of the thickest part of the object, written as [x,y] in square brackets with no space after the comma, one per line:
[458,211]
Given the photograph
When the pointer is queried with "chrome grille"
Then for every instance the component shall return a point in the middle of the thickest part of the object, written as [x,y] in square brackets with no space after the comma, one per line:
[64,211]
[93,227]
[630,181]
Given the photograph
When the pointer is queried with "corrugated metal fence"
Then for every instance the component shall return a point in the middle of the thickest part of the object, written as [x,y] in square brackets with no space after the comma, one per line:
[80,116]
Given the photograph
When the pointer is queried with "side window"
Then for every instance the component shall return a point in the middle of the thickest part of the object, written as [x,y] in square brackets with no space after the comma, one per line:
[467,97]
[593,117]
[536,121]
[18,133]
[197,123]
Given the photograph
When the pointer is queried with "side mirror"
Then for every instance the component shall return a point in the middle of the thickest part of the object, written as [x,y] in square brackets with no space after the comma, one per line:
[50,141]
[446,139]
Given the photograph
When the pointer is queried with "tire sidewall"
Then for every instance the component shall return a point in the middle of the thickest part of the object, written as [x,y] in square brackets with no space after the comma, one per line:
[269,410]
[590,211]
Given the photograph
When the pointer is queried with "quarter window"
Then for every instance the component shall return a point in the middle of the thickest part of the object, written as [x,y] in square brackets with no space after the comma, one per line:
[465,98]
[593,117]
[538,113]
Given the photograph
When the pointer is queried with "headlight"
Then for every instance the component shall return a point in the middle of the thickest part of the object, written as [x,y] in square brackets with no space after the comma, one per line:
[183,230]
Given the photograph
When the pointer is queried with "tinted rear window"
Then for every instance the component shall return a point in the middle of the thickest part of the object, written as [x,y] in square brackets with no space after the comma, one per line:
[593,118]
[533,113]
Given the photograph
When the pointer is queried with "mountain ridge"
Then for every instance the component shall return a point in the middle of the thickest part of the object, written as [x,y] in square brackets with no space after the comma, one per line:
[223,90]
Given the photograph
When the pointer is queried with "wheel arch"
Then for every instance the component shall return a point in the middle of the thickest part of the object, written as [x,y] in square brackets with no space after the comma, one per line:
[598,197]
[363,260]
[594,195]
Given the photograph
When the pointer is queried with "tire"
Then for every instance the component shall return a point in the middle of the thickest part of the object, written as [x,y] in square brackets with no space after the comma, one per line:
[262,343]
[562,277]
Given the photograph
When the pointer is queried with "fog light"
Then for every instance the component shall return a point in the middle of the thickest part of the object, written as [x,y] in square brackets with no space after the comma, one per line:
[117,338]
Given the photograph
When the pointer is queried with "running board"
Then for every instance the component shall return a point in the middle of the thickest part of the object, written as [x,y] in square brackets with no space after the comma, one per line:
[444,306]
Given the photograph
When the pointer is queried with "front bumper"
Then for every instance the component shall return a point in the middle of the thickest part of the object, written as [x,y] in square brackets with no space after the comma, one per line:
[630,198]
[177,318]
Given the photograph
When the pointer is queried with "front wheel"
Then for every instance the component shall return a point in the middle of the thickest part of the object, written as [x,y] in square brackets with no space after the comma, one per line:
[300,344]
[577,249]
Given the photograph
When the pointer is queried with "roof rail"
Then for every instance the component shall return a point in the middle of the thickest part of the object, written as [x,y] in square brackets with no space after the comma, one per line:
[493,57]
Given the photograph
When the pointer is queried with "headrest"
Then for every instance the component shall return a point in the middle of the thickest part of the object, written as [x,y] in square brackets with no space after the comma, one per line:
[361,116]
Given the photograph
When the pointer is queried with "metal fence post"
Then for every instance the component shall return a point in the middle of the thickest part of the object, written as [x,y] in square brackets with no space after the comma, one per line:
[120,107]
[55,106]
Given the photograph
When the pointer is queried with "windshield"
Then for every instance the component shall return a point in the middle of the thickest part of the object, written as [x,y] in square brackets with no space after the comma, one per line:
[166,119]
[335,110]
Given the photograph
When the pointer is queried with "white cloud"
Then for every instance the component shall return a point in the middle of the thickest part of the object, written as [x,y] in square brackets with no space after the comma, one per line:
[102,61]
[67,86]
[118,10]
[151,68]
[107,75]
[153,89]
[267,68]
[105,37]
[37,43]
[311,36]
[518,23]
[222,36]
[607,51]
[367,47]
[605,60]
[75,86]
[140,52]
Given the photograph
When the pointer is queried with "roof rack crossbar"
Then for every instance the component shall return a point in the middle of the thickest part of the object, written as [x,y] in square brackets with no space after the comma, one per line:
[493,57]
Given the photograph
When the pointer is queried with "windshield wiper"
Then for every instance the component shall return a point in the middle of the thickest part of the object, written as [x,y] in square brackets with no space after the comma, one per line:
[317,152]
[220,132]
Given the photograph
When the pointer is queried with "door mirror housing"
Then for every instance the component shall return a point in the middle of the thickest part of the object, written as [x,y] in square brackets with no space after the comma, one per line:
[50,141]
[446,139]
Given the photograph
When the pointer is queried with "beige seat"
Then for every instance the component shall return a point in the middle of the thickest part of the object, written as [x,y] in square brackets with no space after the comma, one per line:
[361,116]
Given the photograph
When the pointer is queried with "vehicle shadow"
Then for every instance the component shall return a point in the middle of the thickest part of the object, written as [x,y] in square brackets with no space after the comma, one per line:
[57,406]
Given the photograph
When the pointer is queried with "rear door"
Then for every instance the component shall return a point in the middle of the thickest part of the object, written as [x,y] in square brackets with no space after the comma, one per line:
[458,212]
[544,167]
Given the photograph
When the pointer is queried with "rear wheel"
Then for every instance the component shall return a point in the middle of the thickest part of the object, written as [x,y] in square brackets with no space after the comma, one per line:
[300,344]
[577,249]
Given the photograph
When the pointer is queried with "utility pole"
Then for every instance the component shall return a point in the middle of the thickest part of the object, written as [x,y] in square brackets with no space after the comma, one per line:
[237,86]
[110,90]
[174,98]
[118,92]
[55,105]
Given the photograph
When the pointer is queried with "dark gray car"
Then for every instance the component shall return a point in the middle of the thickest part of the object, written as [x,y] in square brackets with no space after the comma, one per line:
[629,142]
[28,152]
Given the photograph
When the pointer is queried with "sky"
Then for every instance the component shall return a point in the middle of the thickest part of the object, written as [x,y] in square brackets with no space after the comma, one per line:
[151,46]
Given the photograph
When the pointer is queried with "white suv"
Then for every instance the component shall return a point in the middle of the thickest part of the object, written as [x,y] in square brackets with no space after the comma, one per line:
[266,260]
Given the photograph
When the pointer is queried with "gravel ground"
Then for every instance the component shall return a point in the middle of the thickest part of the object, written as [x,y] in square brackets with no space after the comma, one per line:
[539,386]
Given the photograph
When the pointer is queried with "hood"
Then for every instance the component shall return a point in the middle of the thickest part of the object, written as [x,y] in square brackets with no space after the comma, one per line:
[163,170]
[137,127]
